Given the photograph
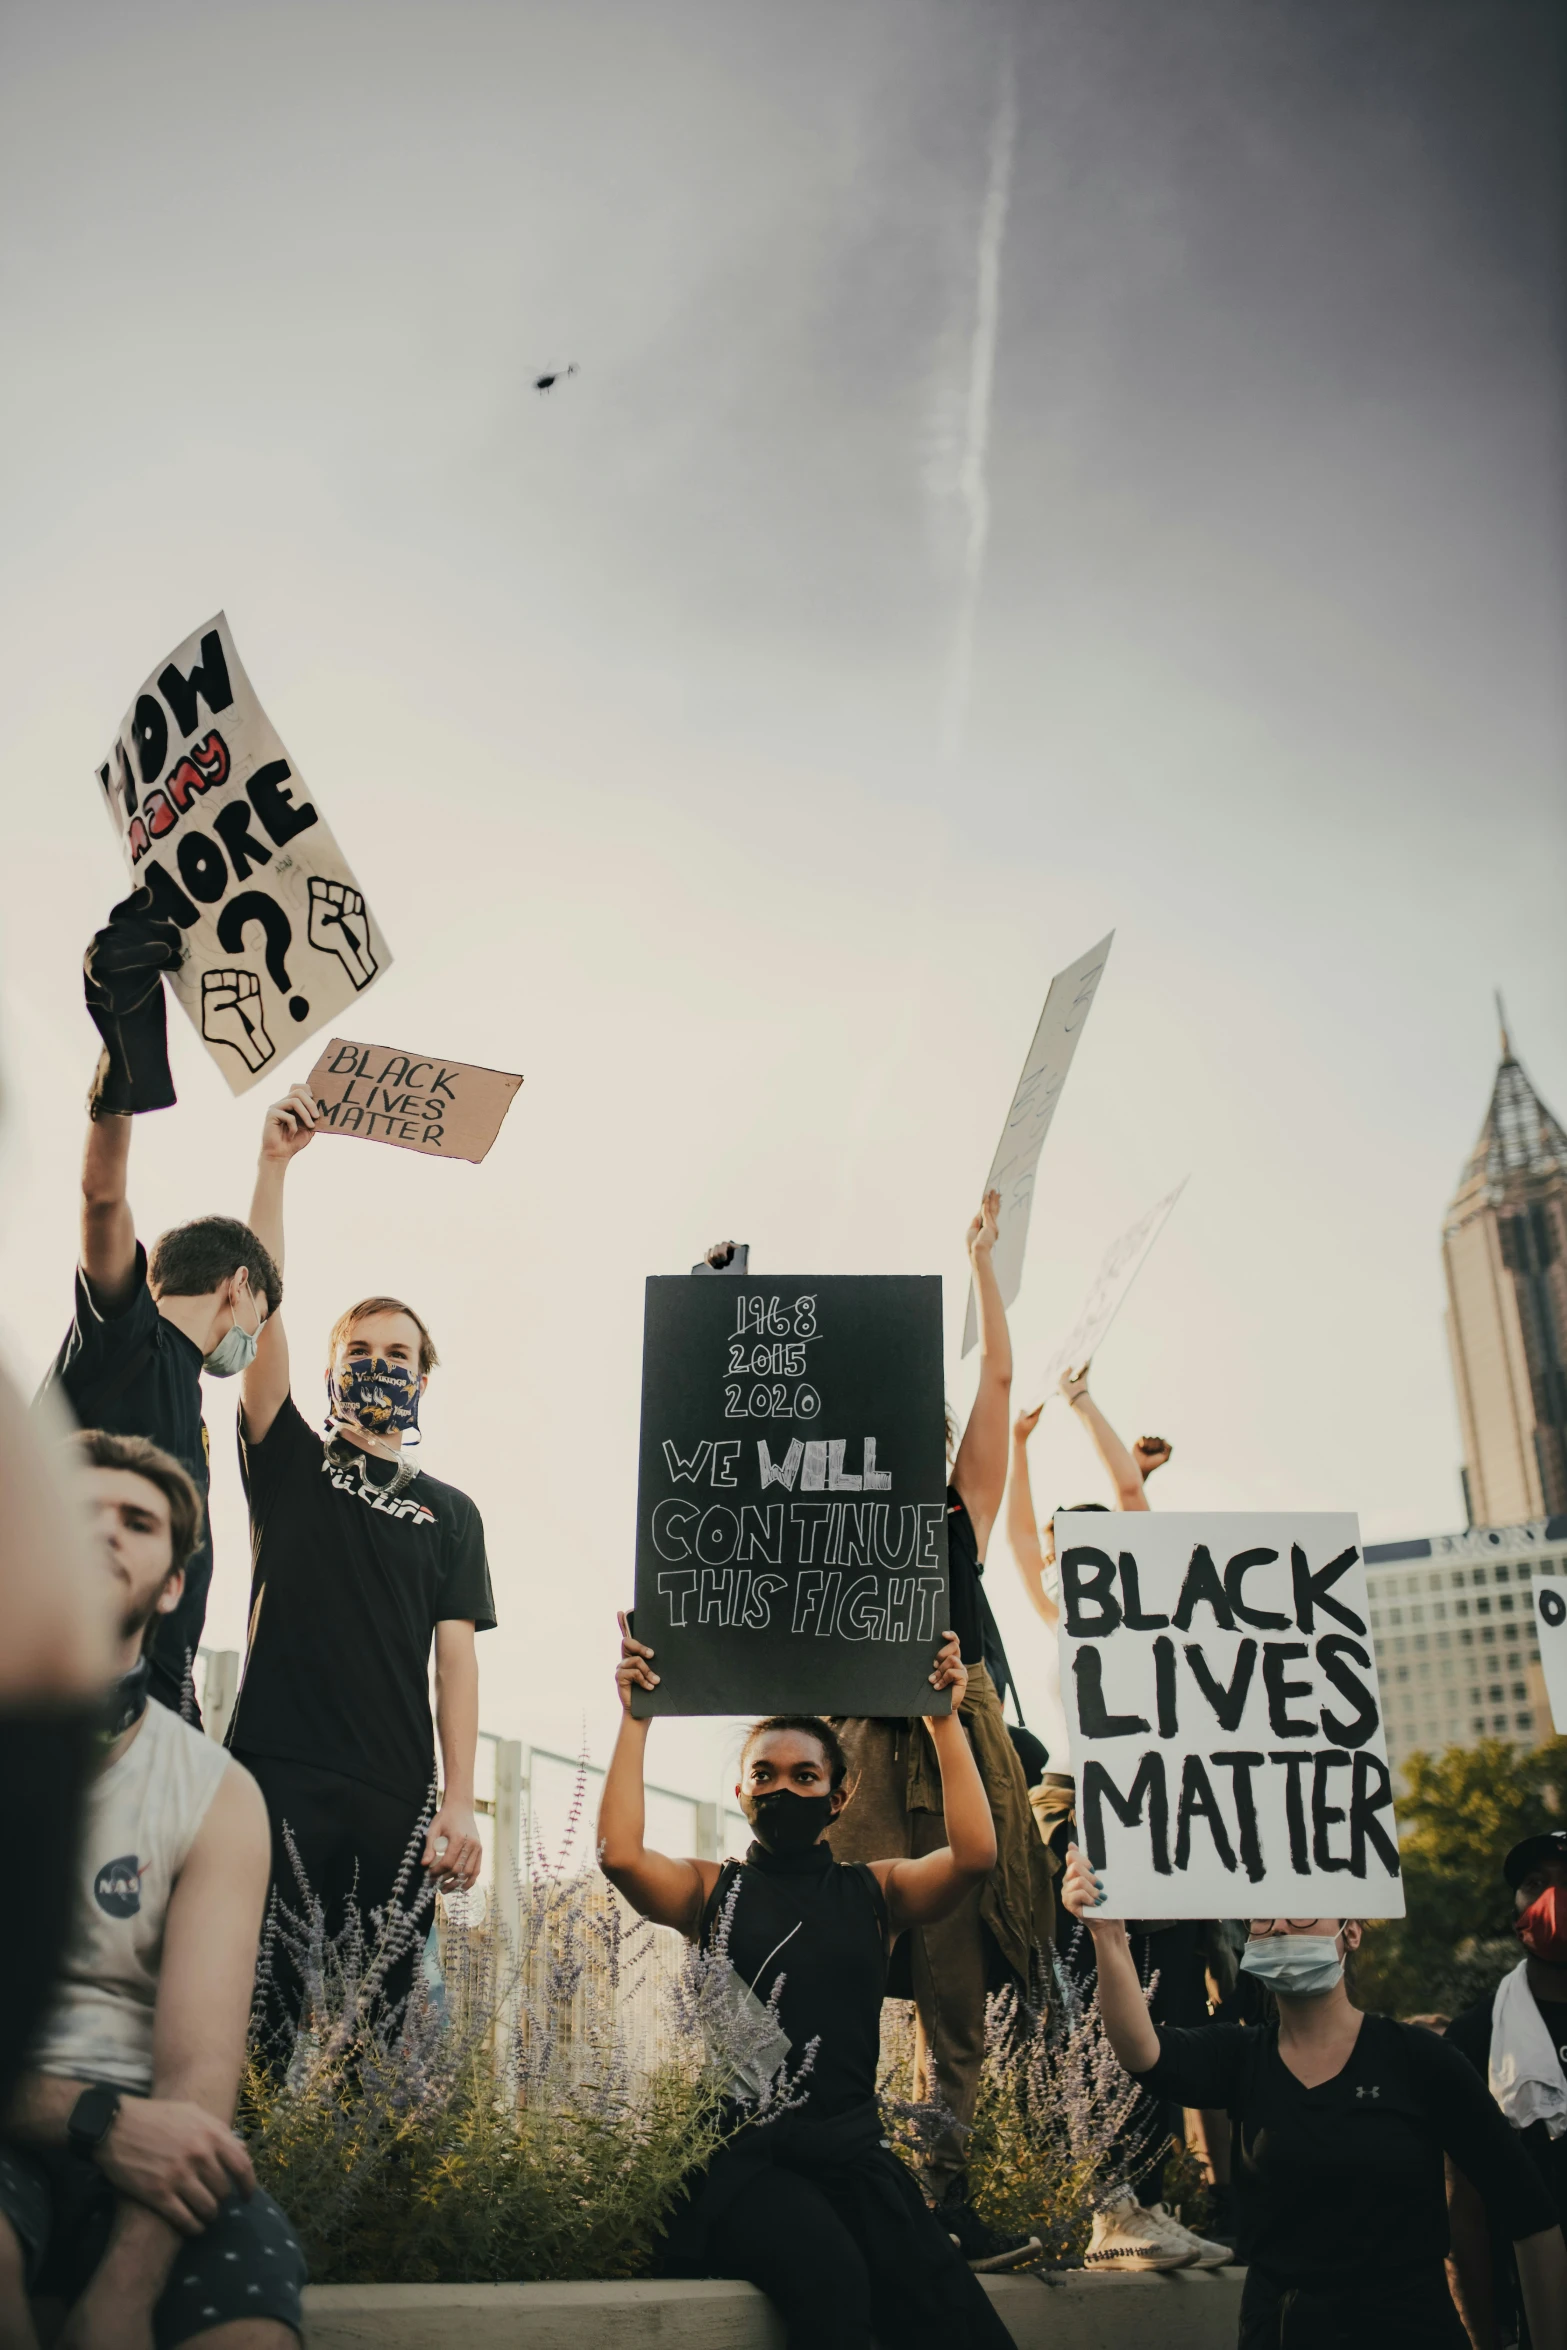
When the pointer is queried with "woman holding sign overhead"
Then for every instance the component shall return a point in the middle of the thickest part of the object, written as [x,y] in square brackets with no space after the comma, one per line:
[1344,2123]
[808,2203]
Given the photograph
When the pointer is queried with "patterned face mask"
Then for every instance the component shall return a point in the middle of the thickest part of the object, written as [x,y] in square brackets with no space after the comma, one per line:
[376,1396]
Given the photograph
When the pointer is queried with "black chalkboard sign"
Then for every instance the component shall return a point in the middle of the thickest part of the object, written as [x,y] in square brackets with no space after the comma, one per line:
[791,1503]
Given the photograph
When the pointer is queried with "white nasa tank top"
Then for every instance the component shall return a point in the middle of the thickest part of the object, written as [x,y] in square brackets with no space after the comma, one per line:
[142,1818]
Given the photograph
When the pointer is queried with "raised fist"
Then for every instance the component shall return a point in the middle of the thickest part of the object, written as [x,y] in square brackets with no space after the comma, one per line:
[231,1014]
[339,926]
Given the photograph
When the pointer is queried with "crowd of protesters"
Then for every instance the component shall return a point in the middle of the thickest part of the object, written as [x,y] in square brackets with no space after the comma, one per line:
[1383,2185]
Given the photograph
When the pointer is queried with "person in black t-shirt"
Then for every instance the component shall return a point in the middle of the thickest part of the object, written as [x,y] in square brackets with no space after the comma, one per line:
[360,1559]
[1002,1927]
[1516,2039]
[144,1330]
[1342,2125]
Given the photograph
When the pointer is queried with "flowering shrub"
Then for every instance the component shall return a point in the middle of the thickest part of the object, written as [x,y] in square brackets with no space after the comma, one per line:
[532,2106]
[494,2125]
[1056,2131]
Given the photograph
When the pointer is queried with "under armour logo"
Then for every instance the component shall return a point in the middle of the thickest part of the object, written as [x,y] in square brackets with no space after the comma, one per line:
[1368,2092]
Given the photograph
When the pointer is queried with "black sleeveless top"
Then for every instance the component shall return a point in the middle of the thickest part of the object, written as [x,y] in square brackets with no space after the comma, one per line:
[822,1927]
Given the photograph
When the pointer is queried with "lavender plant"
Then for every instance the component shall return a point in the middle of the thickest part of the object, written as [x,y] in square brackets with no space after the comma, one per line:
[1057,2132]
[503,2122]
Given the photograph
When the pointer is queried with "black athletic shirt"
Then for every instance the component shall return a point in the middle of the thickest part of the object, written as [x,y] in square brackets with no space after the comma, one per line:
[346,1591]
[135,1374]
[1470,2034]
[1340,2189]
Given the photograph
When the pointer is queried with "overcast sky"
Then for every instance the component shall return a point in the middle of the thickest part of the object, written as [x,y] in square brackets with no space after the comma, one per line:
[625,701]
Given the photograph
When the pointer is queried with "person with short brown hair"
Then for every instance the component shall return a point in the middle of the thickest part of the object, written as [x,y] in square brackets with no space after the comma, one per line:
[146,1327]
[126,2197]
[361,1561]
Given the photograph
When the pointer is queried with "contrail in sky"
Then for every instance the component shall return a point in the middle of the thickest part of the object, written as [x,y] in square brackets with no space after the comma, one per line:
[973,482]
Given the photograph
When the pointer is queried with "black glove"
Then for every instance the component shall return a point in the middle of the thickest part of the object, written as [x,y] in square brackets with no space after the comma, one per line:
[123,972]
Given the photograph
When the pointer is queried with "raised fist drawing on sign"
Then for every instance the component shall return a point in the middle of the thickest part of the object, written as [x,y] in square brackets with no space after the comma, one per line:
[338,926]
[231,1014]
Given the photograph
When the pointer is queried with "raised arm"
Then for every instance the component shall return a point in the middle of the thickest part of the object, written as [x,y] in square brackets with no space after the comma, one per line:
[980,1470]
[921,1891]
[108,1227]
[1022,1525]
[1130,2027]
[1128,1471]
[669,1892]
[122,974]
[289,1126]
[457,1727]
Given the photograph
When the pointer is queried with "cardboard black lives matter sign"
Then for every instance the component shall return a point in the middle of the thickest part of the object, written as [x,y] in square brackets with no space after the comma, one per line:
[791,1503]
[1225,1720]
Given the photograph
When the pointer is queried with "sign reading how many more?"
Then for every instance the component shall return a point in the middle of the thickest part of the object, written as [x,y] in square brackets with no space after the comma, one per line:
[222,831]
[791,1502]
[1226,1723]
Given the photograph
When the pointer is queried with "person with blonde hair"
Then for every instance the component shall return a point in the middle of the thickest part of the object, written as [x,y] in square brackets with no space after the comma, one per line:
[362,1560]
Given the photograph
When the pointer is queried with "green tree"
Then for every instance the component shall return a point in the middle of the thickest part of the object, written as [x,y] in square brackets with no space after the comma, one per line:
[1461,1813]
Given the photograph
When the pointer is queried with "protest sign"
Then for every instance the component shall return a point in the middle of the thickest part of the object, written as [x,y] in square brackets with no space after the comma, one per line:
[1226,1725]
[791,1501]
[219,827]
[445,1108]
[1122,1263]
[1016,1162]
[1550,1624]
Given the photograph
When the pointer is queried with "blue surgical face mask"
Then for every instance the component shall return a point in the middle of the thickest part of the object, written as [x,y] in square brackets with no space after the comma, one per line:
[375,1395]
[1295,1966]
[236,1349]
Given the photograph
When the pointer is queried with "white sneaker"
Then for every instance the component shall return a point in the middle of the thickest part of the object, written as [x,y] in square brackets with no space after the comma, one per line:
[1128,2238]
[1206,2253]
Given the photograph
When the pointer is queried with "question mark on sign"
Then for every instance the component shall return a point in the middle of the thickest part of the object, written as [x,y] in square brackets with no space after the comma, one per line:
[252,906]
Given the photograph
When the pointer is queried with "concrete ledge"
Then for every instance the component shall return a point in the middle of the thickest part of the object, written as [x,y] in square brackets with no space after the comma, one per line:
[1184,2310]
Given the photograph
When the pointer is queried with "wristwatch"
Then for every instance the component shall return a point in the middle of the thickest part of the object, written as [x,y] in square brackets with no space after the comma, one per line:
[92,2118]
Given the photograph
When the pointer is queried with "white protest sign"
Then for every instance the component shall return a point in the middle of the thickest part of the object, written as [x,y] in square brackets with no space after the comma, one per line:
[218,825]
[1013,1168]
[1226,1725]
[1550,1623]
[1122,1263]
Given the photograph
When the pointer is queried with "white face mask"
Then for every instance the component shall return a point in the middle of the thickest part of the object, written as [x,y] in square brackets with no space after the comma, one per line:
[236,1349]
[1300,1966]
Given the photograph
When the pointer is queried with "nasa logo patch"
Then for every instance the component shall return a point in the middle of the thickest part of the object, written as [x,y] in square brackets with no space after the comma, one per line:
[117,1886]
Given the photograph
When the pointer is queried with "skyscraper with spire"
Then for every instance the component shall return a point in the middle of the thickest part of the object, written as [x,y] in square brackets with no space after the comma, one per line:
[1504,1247]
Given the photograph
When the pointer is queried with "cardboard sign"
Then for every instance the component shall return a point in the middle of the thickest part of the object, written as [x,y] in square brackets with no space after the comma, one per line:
[1226,1725]
[1122,1264]
[1550,1623]
[1013,1168]
[223,831]
[445,1108]
[791,1501]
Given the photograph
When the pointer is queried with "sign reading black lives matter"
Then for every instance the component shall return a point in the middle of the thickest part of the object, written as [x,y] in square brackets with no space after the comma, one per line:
[791,1502]
[218,825]
[1225,1720]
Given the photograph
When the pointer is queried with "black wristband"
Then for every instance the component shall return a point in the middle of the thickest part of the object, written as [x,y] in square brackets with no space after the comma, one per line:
[92,2118]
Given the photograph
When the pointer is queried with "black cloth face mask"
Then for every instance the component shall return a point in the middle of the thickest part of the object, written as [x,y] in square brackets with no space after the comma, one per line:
[785,1822]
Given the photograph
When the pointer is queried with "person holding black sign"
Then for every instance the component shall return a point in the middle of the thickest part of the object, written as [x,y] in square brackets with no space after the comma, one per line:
[810,2204]
[1005,1923]
[145,1329]
[361,1560]
[1343,2124]
[1516,2039]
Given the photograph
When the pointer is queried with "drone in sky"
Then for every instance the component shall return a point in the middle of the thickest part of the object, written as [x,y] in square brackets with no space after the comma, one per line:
[547,383]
